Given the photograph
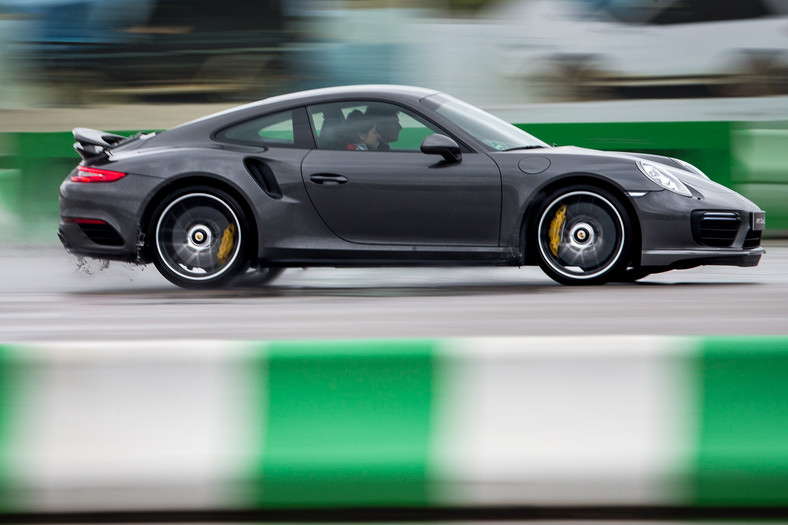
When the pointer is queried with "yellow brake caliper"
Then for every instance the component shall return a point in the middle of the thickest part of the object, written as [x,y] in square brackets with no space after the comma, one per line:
[556,229]
[227,243]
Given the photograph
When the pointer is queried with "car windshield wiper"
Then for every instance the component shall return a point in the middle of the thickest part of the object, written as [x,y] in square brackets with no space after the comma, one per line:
[532,146]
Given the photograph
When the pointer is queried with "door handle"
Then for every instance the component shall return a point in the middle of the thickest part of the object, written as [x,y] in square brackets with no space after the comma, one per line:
[328,179]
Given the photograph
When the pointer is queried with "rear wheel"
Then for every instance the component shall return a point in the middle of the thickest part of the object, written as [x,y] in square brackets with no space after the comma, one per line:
[583,236]
[199,238]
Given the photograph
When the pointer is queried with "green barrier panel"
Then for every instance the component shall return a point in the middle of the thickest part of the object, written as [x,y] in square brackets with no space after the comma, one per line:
[348,423]
[10,191]
[761,155]
[743,449]
[12,378]
[772,198]
[760,168]
[44,161]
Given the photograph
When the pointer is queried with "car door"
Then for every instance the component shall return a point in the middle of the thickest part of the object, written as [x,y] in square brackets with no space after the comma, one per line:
[395,194]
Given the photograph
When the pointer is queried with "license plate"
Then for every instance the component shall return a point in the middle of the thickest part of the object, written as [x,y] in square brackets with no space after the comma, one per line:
[759,221]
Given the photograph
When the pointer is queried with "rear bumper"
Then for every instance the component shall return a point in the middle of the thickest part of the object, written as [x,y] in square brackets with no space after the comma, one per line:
[102,220]
[76,241]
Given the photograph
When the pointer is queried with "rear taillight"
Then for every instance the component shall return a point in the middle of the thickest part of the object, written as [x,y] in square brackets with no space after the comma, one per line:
[78,220]
[86,174]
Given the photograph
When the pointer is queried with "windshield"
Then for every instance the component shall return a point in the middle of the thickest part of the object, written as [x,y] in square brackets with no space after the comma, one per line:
[487,129]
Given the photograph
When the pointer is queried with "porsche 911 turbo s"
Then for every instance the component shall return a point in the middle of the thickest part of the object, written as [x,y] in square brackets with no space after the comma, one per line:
[390,176]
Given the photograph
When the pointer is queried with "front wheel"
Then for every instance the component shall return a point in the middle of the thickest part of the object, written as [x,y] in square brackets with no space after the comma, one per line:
[583,236]
[198,238]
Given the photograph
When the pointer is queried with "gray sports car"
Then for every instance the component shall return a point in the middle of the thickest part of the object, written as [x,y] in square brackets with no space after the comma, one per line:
[390,176]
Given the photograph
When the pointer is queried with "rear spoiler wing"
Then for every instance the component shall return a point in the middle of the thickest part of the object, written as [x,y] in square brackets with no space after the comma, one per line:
[93,144]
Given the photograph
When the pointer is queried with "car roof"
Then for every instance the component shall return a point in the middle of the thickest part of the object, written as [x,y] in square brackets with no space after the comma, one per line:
[365,90]
[311,96]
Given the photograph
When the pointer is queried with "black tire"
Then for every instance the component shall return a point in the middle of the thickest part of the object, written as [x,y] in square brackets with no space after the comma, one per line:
[583,236]
[258,276]
[266,274]
[630,275]
[198,238]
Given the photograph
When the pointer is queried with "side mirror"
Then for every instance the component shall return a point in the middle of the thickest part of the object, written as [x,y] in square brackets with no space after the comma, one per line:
[441,145]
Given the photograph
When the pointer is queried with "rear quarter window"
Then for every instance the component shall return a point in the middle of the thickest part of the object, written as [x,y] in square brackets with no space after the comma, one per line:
[276,130]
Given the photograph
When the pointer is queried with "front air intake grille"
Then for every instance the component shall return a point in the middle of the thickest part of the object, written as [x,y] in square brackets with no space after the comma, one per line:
[715,229]
[103,234]
[753,239]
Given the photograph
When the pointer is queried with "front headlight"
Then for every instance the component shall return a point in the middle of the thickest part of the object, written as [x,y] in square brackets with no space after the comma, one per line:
[663,177]
[692,169]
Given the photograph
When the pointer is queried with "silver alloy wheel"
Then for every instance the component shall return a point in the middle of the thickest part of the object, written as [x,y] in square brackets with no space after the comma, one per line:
[198,237]
[581,236]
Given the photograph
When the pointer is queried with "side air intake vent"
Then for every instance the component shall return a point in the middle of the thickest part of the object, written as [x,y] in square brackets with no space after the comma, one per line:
[753,239]
[715,229]
[263,176]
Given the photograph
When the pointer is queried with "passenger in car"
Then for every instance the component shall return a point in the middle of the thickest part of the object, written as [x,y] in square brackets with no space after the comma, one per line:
[388,125]
[363,132]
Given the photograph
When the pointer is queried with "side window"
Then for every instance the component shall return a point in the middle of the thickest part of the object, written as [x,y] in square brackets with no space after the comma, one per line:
[369,126]
[277,130]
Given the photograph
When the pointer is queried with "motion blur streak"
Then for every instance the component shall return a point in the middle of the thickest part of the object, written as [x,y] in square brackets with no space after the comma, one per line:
[164,424]
[634,422]
[89,51]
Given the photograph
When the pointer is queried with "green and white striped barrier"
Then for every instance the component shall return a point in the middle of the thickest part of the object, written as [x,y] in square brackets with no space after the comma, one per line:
[493,422]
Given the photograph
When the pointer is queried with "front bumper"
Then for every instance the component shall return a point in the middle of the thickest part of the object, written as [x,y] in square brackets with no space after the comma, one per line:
[683,259]
[720,228]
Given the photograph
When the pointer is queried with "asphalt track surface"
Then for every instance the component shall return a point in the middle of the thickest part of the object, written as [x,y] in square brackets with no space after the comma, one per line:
[49,295]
